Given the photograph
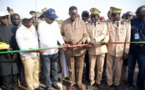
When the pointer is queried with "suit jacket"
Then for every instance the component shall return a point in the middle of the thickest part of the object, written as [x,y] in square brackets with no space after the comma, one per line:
[122,33]
[74,31]
[98,33]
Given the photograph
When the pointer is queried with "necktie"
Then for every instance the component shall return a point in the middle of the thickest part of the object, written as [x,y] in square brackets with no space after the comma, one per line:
[95,24]
[117,24]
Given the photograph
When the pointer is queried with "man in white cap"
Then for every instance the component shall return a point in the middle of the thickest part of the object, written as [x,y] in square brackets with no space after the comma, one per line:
[49,33]
[27,38]
[8,62]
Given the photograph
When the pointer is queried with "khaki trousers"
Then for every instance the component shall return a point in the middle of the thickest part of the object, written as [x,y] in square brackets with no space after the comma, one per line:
[31,69]
[75,66]
[96,62]
[113,63]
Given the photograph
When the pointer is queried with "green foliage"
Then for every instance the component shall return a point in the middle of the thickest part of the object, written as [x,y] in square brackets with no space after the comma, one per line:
[59,21]
[37,12]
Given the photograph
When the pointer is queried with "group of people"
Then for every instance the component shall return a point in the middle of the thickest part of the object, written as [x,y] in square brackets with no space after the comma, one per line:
[101,46]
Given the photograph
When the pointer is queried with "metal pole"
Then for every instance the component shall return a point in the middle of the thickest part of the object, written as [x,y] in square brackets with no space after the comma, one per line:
[36,9]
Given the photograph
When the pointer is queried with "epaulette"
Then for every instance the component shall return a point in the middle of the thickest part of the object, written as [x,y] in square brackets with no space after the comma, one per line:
[125,21]
[103,21]
[108,20]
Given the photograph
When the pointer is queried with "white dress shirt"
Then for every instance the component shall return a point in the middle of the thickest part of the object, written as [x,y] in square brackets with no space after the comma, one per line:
[49,35]
[27,38]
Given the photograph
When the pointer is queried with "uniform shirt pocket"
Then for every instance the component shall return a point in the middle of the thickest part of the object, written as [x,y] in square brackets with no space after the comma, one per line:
[122,31]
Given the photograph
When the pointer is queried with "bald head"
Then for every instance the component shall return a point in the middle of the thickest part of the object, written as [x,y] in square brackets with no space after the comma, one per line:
[140,12]
[141,7]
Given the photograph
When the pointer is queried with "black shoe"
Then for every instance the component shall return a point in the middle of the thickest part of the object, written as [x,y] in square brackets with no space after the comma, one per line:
[89,87]
[48,89]
[140,89]
[15,88]
[109,87]
[116,87]
[39,88]
[56,87]
[99,86]
[5,88]
[127,87]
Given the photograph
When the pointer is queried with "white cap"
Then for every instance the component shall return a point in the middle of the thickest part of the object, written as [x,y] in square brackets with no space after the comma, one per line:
[2,14]
[26,16]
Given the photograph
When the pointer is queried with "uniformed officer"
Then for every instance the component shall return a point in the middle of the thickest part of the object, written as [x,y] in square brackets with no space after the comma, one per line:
[97,31]
[127,17]
[119,31]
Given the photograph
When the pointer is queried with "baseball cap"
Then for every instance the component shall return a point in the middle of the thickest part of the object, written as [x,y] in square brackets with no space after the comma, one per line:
[26,16]
[51,13]
[2,14]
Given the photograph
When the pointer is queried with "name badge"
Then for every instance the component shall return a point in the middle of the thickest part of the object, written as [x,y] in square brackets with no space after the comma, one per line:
[136,36]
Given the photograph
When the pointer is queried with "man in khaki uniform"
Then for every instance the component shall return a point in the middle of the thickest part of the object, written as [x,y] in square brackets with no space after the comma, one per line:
[128,17]
[119,31]
[73,31]
[97,31]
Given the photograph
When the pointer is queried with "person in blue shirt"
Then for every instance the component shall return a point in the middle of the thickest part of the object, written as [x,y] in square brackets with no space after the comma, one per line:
[137,50]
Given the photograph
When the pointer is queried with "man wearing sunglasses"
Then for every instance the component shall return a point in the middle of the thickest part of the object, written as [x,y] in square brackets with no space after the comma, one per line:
[119,31]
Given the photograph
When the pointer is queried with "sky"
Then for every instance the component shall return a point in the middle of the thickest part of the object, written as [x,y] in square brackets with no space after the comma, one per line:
[61,6]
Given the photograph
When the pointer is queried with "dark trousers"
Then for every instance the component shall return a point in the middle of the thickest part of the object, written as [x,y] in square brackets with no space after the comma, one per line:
[87,66]
[21,75]
[138,57]
[1,81]
[50,62]
[9,82]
